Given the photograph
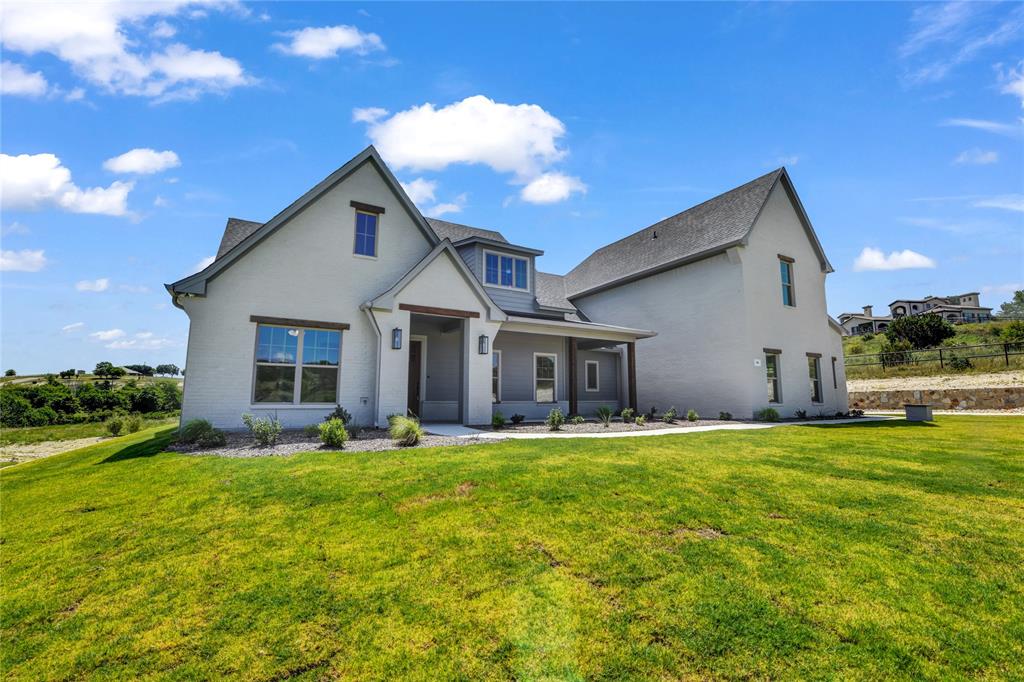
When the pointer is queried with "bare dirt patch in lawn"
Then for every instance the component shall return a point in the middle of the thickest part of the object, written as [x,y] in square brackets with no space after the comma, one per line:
[26,452]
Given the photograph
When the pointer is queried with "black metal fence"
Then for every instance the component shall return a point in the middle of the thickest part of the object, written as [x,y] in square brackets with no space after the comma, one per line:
[953,357]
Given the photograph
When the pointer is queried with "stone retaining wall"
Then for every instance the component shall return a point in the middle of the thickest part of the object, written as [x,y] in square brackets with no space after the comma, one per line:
[942,399]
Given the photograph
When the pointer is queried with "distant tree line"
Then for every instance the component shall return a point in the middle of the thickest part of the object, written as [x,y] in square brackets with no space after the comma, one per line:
[56,402]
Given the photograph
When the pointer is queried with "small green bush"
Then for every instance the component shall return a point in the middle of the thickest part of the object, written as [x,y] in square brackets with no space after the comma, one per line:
[340,413]
[518,419]
[641,420]
[855,348]
[604,415]
[670,416]
[115,425]
[555,419]
[868,336]
[692,416]
[1013,332]
[498,420]
[405,431]
[801,414]
[725,416]
[628,415]
[333,433]
[768,414]
[194,430]
[312,430]
[133,423]
[265,430]
[577,419]
[213,438]
[959,364]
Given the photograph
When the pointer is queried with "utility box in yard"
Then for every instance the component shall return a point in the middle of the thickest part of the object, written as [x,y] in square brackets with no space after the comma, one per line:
[918,413]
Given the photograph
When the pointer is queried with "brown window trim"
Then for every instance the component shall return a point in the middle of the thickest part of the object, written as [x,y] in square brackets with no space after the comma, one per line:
[814,355]
[368,208]
[443,312]
[786,258]
[292,322]
[772,351]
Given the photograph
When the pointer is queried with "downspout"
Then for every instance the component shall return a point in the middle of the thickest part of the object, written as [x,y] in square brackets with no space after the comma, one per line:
[376,384]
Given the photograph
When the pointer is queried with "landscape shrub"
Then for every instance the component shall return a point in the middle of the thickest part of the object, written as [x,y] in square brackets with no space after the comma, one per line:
[868,336]
[641,420]
[604,415]
[193,430]
[133,423]
[896,353]
[311,430]
[670,415]
[265,430]
[115,425]
[921,331]
[801,414]
[1013,332]
[498,420]
[518,419]
[959,364]
[341,413]
[692,416]
[725,416]
[628,415]
[855,348]
[577,419]
[768,414]
[555,419]
[405,431]
[333,433]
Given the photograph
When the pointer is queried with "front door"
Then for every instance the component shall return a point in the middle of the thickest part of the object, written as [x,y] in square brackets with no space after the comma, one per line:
[415,374]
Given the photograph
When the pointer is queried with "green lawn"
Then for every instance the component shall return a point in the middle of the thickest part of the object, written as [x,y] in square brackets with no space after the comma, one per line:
[875,550]
[39,434]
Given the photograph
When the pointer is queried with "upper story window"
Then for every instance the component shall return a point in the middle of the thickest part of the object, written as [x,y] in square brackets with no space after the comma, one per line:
[511,272]
[366,234]
[296,365]
[788,284]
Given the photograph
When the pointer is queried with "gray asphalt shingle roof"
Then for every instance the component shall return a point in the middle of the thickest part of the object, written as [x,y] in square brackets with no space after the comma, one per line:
[457,232]
[549,290]
[719,221]
[234,232]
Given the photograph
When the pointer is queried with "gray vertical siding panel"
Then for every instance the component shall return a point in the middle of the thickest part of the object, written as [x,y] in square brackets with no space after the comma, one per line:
[517,370]
[608,373]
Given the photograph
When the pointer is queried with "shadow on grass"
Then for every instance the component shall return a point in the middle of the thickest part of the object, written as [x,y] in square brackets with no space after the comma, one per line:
[879,424]
[146,448]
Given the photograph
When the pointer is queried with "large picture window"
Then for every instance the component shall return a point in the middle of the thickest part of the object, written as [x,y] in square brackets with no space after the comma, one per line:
[296,365]
[771,366]
[544,366]
[506,271]
[366,234]
[788,287]
[814,373]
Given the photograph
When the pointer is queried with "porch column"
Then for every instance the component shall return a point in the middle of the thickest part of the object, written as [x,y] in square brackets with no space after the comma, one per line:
[631,369]
[573,399]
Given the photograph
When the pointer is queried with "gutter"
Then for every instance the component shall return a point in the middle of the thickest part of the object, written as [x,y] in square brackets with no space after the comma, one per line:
[366,308]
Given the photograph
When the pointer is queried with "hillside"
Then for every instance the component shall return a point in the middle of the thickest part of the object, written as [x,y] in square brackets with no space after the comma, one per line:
[966,335]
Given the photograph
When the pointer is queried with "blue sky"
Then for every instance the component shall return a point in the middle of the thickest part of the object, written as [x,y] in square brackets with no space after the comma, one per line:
[566,126]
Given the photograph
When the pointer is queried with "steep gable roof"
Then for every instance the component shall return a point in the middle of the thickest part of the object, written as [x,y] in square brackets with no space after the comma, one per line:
[457,232]
[704,230]
[196,283]
[234,232]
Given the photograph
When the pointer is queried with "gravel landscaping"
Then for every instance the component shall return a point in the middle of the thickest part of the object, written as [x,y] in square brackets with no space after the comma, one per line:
[598,427]
[987,380]
[240,444]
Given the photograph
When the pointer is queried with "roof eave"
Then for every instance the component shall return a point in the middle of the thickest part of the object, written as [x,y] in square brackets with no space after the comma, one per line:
[494,243]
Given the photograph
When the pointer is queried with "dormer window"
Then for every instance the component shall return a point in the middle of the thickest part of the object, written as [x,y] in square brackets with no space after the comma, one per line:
[509,272]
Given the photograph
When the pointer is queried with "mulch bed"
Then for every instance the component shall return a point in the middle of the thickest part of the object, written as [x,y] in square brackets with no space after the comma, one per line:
[598,427]
[241,444]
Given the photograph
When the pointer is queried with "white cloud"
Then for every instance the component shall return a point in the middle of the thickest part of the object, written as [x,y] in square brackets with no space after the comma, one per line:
[163,30]
[454,206]
[160,202]
[142,161]
[203,264]
[14,228]
[33,181]
[1007,129]
[26,260]
[368,114]
[107,335]
[1013,82]
[1009,202]
[875,259]
[326,41]
[96,285]
[520,139]
[420,190]
[103,43]
[140,341]
[976,157]
[550,188]
[15,80]
[73,327]
[1007,288]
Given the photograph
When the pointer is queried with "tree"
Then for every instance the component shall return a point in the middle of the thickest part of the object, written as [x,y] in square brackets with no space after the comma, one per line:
[169,370]
[68,373]
[921,331]
[1014,307]
[106,370]
[10,373]
[144,370]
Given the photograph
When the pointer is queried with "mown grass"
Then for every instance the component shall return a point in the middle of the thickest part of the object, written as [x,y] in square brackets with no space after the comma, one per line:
[57,432]
[876,550]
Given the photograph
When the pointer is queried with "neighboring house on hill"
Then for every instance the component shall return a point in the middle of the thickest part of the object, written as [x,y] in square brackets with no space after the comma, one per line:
[854,324]
[959,308]
[349,296]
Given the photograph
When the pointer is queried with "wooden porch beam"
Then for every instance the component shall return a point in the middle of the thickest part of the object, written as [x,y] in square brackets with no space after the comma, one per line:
[573,399]
[442,312]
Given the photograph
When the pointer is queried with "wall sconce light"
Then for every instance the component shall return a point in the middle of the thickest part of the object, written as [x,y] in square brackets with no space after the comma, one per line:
[485,344]
[396,338]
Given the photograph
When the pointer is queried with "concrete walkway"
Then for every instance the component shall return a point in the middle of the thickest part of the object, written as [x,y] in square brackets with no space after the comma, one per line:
[459,431]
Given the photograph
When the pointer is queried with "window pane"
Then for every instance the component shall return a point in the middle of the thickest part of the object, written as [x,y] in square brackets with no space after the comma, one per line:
[506,271]
[492,269]
[277,344]
[366,234]
[274,384]
[521,274]
[786,272]
[545,367]
[495,377]
[320,347]
[319,384]
[545,390]
[592,376]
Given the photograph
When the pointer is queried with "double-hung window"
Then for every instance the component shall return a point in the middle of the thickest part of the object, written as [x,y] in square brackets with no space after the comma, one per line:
[814,373]
[366,234]
[544,372]
[592,376]
[496,376]
[788,285]
[506,271]
[296,365]
[771,366]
